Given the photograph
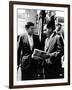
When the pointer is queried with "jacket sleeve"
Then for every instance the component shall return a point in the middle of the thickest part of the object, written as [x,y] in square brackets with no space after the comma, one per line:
[59,49]
[23,53]
[60,46]
[18,51]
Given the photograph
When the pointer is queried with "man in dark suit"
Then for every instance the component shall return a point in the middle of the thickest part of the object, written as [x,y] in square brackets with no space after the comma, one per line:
[26,44]
[55,49]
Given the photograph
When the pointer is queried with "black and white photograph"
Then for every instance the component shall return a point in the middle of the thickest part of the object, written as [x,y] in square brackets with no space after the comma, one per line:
[40,44]
[40,30]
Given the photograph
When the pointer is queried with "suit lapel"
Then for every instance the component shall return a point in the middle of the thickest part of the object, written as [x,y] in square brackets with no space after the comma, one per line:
[27,41]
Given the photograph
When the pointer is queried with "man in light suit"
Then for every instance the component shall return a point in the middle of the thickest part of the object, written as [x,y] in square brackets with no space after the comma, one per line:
[55,49]
[26,44]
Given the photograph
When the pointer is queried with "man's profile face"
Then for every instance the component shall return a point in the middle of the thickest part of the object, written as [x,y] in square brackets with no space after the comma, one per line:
[49,32]
[30,30]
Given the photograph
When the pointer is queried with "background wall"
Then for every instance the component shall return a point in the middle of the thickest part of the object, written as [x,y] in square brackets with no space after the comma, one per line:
[4,45]
[23,17]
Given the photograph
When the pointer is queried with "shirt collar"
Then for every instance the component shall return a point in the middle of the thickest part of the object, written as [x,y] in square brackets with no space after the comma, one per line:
[28,35]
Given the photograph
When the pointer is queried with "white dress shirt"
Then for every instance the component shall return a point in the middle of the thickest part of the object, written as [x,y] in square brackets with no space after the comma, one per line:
[30,39]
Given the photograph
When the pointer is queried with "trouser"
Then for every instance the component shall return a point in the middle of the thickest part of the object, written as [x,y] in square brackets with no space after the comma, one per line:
[51,71]
[27,74]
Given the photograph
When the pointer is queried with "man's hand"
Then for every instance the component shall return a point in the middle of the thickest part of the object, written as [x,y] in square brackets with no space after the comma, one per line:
[25,57]
[54,54]
[37,58]
[45,56]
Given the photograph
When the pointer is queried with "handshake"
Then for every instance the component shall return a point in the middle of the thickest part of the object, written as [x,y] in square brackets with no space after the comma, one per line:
[39,54]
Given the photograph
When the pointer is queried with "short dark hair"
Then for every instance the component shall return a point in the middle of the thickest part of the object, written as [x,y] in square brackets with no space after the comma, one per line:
[29,24]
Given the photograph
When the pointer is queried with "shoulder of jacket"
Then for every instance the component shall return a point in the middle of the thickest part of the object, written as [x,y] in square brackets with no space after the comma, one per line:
[23,35]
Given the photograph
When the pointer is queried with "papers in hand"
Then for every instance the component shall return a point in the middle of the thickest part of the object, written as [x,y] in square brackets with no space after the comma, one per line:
[38,53]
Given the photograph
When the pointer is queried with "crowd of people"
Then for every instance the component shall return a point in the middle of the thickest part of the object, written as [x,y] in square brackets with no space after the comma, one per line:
[51,41]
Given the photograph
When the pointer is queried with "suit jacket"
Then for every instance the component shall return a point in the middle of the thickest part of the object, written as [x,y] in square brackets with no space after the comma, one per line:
[24,51]
[56,50]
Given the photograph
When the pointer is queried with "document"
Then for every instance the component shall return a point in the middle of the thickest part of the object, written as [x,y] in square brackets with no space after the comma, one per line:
[38,53]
